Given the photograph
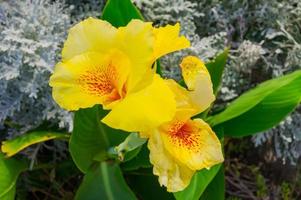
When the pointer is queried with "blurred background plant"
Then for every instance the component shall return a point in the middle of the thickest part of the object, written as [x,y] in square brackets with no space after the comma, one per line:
[265,42]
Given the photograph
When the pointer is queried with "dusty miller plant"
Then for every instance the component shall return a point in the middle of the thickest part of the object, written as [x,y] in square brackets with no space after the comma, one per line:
[82,9]
[31,35]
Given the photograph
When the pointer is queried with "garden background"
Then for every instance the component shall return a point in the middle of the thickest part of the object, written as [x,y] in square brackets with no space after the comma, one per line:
[265,42]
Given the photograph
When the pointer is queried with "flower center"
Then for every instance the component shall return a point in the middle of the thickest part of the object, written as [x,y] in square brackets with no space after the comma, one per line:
[103,82]
[183,134]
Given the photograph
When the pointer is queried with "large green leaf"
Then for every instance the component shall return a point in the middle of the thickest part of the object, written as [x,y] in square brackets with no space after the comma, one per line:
[105,181]
[10,168]
[146,186]
[198,184]
[216,189]
[91,138]
[10,195]
[261,108]
[11,147]
[216,69]
[120,12]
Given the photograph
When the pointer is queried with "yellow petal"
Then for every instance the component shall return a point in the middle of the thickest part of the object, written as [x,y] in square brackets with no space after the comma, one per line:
[182,97]
[145,109]
[136,41]
[172,174]
[89,79]
[189,103]
[89,35]
[198,81]
[192,67]
[192,143]
[167,40]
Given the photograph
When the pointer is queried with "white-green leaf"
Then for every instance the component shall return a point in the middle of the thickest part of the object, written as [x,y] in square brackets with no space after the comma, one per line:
[12,147]
[141,160]
[129,148]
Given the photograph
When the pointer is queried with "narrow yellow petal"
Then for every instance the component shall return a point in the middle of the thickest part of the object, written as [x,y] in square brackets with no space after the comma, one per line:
[192,143]
[172,174]
[89,79]
[145,109]
[192,67]
[198,81]
[89,35]
[167,40]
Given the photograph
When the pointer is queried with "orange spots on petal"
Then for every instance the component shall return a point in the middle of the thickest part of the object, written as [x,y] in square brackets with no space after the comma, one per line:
[102,82]
[184,134]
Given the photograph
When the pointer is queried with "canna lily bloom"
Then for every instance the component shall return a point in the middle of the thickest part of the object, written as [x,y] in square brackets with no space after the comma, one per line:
[182,146]
[115,67]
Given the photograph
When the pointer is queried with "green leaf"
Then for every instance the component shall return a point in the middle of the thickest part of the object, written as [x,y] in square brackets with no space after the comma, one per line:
[104,182]
[141,160]
[131,154]
[216,69]
[10,168]
[146,186]
[10,195]
[216,188]
[91,138]
[120,12]
[198,184]
[12,147]
[129,148]
[158,67]
[261,108]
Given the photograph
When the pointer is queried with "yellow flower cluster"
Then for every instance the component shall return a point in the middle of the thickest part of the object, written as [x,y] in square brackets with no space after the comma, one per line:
[115,67]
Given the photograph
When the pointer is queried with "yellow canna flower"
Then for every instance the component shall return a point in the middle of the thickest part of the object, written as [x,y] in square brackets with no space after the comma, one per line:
[114,67]
[183,145]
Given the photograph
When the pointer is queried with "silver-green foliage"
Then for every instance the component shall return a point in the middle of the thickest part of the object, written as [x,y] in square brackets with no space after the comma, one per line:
[31,35]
